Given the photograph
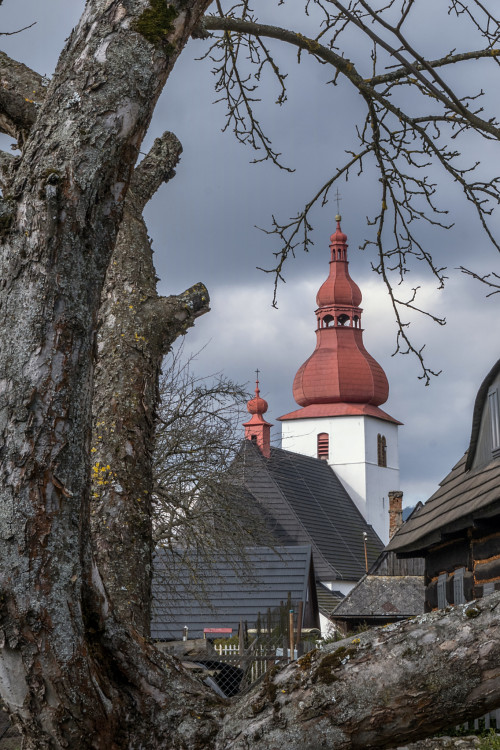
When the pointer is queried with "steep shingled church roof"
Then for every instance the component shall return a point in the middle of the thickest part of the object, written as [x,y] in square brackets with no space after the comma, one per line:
[303,502]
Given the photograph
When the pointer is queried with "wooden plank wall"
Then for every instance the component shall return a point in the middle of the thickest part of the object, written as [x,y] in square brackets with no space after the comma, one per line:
[391,565]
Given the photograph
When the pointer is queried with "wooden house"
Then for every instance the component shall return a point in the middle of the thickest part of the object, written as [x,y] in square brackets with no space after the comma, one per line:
[457,531]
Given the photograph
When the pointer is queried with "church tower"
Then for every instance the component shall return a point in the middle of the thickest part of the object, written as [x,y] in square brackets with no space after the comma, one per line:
[339,390]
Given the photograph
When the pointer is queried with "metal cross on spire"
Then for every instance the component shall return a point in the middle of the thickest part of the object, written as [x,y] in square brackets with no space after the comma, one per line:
[338,198]
[257,383]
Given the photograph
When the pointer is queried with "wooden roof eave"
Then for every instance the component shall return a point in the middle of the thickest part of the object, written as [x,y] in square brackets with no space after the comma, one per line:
[447,533]
[464,497]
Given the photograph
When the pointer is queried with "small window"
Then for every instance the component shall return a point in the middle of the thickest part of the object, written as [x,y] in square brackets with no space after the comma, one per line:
[441,591]
[323,446]
[458,587]
[494,420]
[381,450]
[254,438]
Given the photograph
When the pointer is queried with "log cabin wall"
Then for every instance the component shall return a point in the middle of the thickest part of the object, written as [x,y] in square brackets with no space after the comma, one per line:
[486,559]
[464,568]
[442,562]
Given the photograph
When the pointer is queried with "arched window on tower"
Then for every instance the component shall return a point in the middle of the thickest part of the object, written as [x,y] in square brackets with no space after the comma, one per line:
[343,319]
[327,320]
[381,450]
[323,447]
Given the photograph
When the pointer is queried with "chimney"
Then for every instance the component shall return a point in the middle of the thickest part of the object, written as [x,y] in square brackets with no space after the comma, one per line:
[395,511]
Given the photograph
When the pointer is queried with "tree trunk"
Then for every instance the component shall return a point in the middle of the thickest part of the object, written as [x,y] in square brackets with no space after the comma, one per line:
[66,197]
[136,329]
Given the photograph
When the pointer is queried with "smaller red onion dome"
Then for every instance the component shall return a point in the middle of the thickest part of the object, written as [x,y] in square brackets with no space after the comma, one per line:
[257,405]
[257,429]
[339,288]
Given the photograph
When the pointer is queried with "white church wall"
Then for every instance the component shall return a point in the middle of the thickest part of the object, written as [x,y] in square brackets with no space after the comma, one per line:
[346,445]
[380,480]
[375,427]
[353,478]
[353,455]
[299,436]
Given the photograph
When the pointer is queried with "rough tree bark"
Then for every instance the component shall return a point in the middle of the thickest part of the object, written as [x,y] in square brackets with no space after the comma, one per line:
[136,329]
[71,674]
[66,197]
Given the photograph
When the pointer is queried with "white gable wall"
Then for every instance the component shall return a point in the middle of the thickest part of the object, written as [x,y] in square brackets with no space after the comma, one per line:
[353,457]
[342,585]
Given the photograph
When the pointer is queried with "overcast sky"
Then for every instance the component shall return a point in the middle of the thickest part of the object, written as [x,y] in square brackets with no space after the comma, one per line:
[203,229]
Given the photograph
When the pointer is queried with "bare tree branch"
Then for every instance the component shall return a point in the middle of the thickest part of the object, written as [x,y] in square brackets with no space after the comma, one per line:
[449,59]
[17,31]
[313,47]
[403,144]
[487,279]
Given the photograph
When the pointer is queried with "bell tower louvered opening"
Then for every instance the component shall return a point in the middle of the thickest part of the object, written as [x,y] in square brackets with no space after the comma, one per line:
[323,446]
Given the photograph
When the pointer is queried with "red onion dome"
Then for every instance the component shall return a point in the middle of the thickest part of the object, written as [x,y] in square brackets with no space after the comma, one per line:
[339,288]
[340,370]
[257,405]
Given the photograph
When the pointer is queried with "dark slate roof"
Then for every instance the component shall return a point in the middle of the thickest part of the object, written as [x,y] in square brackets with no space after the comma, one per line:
[327,600]
[264,581]
[383,597]
[462,497]
[305,503]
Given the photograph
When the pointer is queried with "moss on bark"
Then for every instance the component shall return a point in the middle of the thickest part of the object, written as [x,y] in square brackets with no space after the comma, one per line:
[156,23]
